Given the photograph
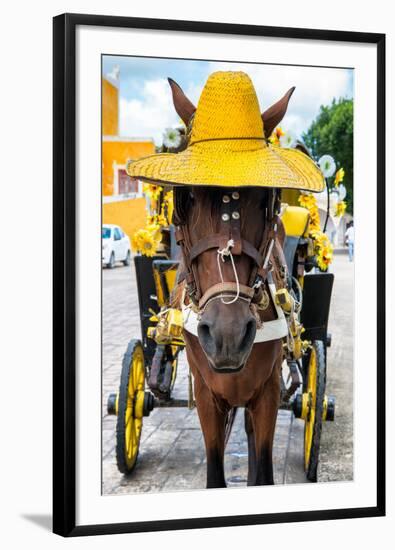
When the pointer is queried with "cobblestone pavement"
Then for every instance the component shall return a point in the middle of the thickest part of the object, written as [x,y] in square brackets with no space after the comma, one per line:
[171,455]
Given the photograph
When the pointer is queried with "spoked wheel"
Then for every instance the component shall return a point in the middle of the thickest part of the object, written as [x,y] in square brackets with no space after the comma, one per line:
[313,408]
[130,407]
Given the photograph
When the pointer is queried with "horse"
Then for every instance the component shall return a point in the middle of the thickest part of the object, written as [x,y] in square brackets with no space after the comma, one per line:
[232,249]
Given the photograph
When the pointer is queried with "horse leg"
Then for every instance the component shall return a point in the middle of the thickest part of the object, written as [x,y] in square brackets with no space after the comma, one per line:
[263,411]
[251,448]
[213,421]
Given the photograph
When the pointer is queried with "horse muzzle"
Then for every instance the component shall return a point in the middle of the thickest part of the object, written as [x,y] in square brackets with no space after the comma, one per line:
[227,336]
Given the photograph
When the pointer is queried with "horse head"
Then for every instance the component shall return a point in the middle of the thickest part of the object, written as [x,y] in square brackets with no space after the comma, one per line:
[227,325]
[224,231]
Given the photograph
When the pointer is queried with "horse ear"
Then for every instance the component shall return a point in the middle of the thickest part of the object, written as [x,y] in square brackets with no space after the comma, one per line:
[274,115]
[182,105]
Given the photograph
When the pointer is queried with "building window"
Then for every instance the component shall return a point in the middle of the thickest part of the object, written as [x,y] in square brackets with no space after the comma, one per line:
[126,184]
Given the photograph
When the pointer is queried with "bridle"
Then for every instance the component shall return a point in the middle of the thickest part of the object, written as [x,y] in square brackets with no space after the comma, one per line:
[228,243]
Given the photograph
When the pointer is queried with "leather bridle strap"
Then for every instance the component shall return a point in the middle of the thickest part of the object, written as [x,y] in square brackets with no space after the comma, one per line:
[190,253]
[192,280]
[230,224]
[220,241]
[223,289]
[265,249]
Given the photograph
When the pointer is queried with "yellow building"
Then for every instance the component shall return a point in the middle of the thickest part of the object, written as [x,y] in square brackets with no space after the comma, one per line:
[123,201]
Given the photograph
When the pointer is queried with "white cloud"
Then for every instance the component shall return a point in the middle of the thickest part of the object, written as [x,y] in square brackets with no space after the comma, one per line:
[148,117]
[315,86]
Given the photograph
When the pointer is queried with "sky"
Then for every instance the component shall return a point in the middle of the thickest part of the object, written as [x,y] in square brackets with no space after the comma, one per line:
[146,107]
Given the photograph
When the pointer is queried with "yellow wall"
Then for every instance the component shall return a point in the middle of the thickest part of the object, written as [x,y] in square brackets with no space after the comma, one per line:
[110,109]
[130,214]
[120,152]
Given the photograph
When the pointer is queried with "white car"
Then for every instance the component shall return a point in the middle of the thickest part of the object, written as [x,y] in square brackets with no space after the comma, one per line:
[115,246]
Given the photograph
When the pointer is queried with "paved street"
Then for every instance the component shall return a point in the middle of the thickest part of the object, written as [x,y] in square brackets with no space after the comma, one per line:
[172,453]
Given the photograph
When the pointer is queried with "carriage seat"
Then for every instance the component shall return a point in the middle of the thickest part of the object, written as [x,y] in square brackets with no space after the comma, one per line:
[296,223]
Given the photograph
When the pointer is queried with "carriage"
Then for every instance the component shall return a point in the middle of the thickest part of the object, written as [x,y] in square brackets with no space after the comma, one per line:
[149,366]
[247,289]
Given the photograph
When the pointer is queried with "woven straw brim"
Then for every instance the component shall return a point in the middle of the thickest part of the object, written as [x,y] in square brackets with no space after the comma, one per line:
[209,164]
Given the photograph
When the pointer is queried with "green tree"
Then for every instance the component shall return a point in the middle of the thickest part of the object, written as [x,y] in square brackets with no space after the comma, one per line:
[331,133]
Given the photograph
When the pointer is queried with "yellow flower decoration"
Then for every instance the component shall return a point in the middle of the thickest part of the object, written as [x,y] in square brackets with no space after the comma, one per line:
[162,221]
[146,242]
[152,191]
[156,221]
[324,256]
[153,228]
[339,176]
[168,206]
[275,136]
[340,208]
[322,246]
[309,202]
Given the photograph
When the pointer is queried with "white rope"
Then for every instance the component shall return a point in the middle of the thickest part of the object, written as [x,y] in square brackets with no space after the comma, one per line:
[222,254]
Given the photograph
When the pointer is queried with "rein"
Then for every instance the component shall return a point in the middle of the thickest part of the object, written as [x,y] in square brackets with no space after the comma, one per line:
[228,243]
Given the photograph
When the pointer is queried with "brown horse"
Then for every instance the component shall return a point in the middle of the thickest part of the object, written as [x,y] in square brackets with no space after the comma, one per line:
[231,241]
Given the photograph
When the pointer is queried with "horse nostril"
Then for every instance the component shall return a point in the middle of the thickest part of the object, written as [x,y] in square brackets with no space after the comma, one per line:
[206,338]
[249,334]
[227,343]
[204,333]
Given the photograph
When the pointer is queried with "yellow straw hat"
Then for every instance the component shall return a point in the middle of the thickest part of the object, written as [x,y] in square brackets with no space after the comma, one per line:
[227,146]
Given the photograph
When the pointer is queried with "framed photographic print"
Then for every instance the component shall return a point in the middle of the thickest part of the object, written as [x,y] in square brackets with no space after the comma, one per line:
[219,275]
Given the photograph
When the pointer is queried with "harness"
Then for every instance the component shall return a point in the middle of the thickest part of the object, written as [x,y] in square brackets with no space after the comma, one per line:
[272,330]
[228,243]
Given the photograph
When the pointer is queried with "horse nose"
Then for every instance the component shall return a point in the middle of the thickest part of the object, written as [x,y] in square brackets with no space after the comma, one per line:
[227,342]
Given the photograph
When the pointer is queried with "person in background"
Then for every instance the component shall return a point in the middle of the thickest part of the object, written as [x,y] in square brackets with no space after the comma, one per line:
[349,240]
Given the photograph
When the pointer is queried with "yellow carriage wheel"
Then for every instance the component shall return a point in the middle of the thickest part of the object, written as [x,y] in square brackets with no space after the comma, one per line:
[130,407]
[312,407]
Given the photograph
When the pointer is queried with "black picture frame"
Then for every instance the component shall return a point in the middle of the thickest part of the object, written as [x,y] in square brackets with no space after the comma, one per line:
[64,272]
